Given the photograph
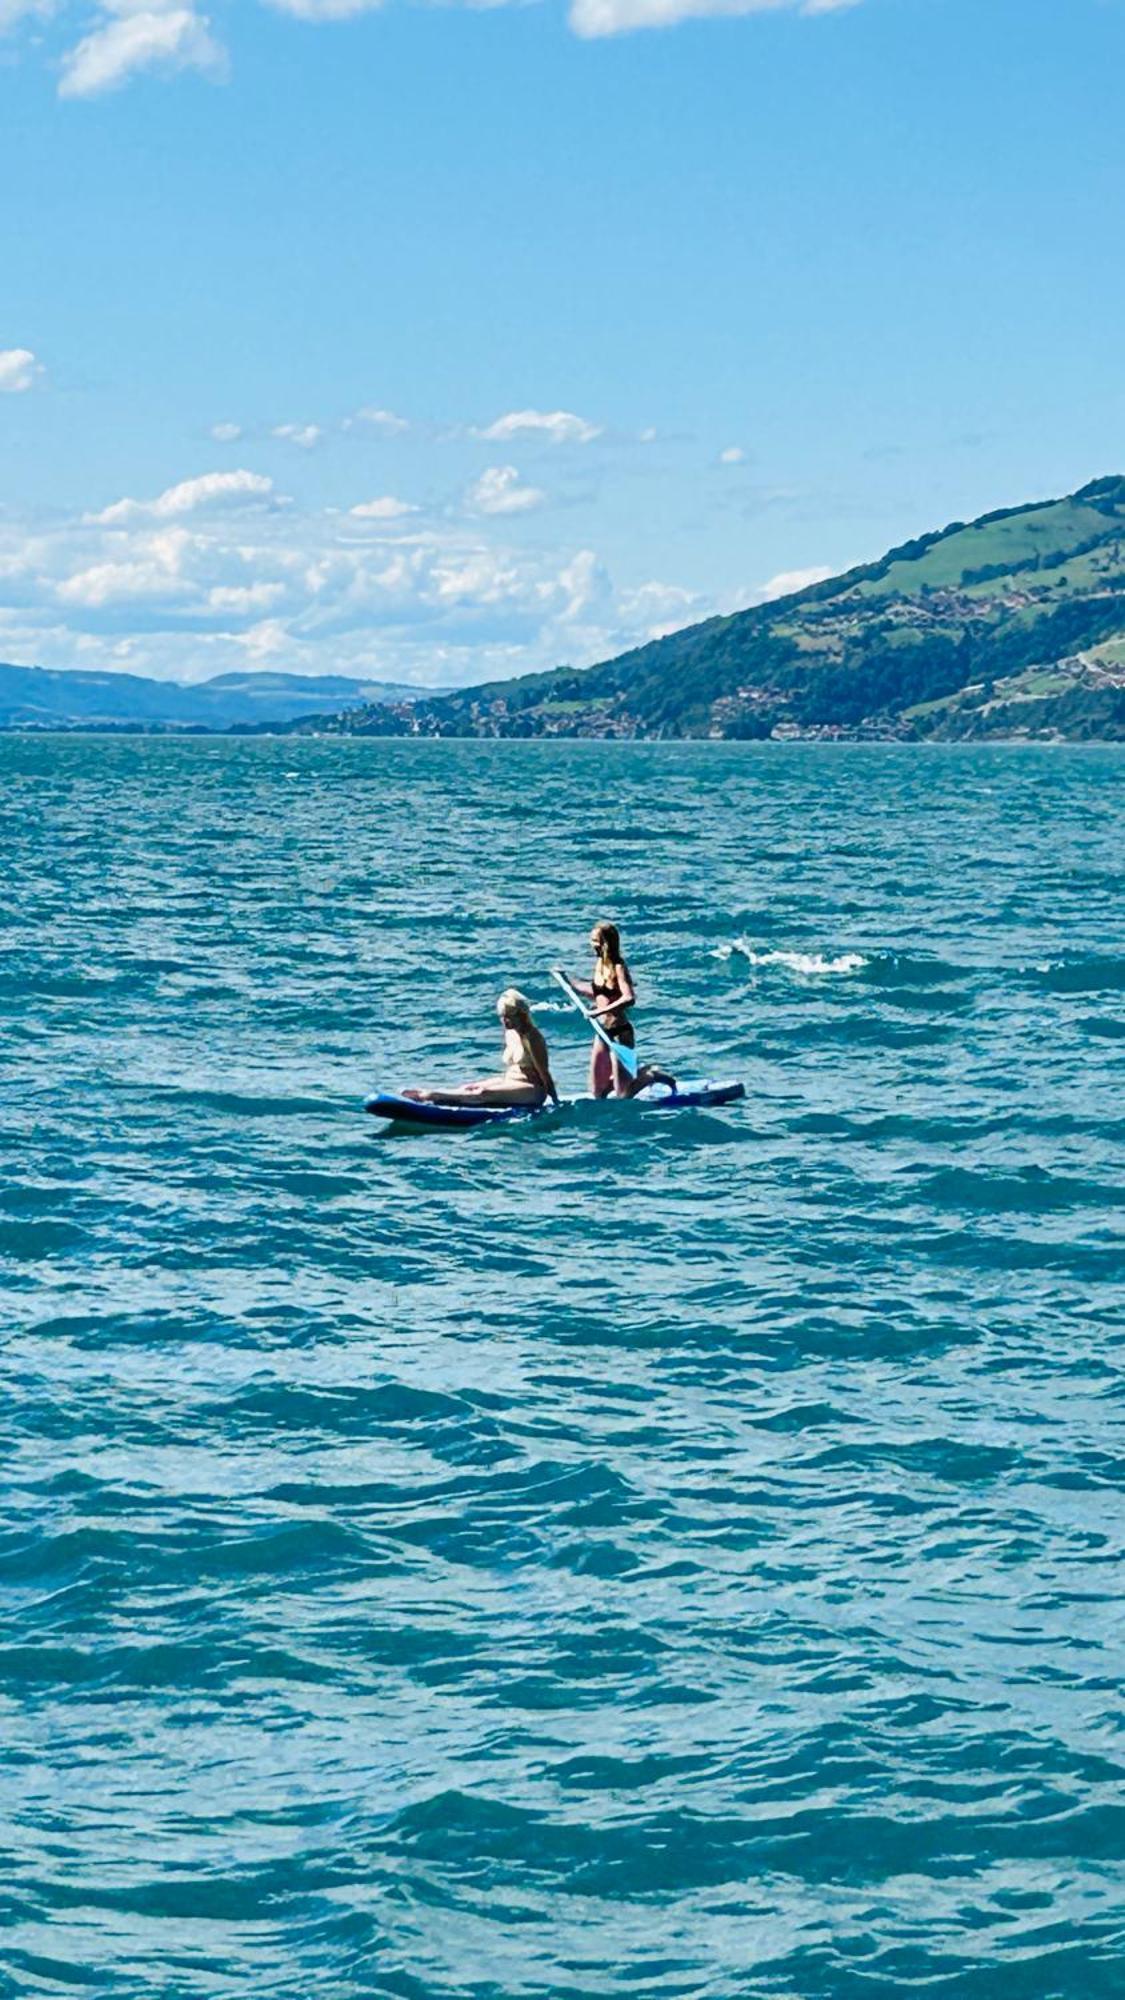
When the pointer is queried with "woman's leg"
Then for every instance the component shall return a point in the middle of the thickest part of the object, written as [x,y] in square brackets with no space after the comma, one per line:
[601,1070]
[494,1093]
[623,1084]
[647,1074]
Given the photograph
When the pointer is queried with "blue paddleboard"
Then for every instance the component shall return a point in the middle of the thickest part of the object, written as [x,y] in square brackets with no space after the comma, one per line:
[455,1117]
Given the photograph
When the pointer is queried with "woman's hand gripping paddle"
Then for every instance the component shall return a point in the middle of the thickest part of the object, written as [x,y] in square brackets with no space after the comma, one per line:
[628,1058]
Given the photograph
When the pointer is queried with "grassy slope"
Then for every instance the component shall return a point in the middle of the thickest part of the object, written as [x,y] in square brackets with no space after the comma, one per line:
[1013,622]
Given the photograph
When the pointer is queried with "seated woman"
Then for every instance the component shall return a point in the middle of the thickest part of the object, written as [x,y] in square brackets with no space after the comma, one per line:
[526,1077]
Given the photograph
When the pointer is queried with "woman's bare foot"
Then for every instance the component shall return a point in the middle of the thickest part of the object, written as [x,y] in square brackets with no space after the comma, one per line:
[649,1075]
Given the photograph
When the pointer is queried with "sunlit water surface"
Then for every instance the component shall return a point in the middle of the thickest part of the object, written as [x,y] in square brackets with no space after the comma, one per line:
[614,1555]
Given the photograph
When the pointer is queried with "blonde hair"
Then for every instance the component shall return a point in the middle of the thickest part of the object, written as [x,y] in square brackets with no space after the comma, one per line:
[514,1007]
[609,941]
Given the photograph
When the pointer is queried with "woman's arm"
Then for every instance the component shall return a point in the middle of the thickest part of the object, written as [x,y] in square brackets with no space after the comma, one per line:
[580,985]
[541,1063]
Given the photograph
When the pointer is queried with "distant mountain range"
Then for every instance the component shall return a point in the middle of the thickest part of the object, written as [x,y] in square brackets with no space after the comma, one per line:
[47,698]
[1010,626]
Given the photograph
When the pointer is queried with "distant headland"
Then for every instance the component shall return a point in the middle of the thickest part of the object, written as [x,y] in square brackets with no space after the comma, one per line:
[35,698]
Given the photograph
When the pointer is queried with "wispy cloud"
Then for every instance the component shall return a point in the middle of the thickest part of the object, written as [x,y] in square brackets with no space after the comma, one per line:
[594,18]
[386,508]
[555,426]
[19,370]
[788,580]
[189,496]
[12,12]
[377,420]
[325,10]
[242,600]
[733,455]
[660,608]
[131,38]
[305,435]
[226,433]
[499,490]
[137,35]
[153,569]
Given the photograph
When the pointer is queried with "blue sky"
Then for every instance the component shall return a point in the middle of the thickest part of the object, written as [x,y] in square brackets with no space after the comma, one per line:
[431,343]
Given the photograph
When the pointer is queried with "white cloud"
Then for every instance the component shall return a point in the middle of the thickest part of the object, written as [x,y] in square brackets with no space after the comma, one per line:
[379,420]
[241,598]
[19,370]
[226,433]
[215,574]
[210,489]
[659,608]
[586,586]
[155,568]
[266,642]
[129,38]
[499,491]
[386,508]
[557,426]
[593,18]
[12,12]
[733,455]
[789,580]
[137,35]
[305,435]
[325,10]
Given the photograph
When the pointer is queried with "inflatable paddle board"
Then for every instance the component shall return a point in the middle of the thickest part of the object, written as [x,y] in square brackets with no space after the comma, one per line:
[455,1117]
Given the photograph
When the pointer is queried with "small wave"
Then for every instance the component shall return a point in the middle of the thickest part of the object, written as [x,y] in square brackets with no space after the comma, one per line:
[598,835]
[807,964]
[1030,1191]
[29,1241]
[240,1104]
[910,970]
[1085,973]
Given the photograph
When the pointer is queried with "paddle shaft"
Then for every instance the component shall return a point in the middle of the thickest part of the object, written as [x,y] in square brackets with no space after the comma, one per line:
[628,1058]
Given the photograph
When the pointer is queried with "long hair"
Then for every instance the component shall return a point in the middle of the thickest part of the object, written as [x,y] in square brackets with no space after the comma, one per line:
[514,1009]
[609,941]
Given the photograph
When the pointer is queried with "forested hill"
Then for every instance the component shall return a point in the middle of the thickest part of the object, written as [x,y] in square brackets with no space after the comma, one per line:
[76,698]
[1013,625]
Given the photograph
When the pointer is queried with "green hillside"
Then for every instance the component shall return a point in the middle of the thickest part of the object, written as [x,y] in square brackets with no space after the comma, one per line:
[1013,625]
[77,698]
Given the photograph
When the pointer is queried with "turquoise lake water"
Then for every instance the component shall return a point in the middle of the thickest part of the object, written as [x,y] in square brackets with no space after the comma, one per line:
[613,1555]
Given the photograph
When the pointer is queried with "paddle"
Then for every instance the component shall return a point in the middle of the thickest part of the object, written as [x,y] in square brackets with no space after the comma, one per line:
[628,1058]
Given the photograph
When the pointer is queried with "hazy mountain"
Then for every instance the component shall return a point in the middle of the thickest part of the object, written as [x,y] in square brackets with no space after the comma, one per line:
[1012,625]
[41,697]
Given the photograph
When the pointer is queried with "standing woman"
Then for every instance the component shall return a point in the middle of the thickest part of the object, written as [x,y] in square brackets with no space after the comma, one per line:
[611,989]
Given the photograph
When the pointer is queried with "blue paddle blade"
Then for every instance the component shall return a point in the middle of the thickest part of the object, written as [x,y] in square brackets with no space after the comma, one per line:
[628,1058]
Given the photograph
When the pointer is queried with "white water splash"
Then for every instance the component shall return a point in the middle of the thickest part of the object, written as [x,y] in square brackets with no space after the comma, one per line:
[809,964]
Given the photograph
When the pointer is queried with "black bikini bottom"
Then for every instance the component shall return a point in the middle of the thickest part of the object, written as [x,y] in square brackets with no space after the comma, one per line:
[620,1027]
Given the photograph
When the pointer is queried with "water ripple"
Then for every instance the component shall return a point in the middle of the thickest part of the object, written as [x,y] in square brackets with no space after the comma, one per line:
[613,1556]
